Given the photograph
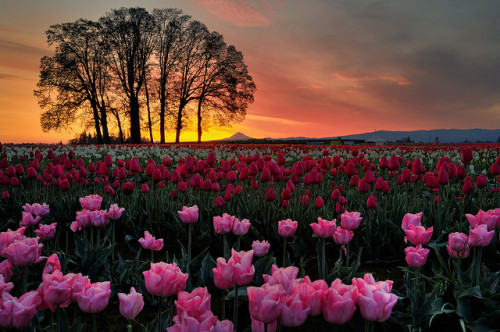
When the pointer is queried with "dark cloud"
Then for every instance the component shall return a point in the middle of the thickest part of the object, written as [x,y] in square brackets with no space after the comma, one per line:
[11,77]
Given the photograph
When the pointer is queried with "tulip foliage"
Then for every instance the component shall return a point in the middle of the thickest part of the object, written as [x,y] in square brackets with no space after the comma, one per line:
[249,237]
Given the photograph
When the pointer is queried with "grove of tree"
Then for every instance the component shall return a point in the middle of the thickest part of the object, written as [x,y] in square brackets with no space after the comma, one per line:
[141,71]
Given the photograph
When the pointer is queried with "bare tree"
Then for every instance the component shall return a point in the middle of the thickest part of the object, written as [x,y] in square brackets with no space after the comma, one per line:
[129,33]
[75,78]
[189,69]
[172,25]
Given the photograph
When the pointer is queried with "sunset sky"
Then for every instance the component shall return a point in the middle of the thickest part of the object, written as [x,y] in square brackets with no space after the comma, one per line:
[322,68]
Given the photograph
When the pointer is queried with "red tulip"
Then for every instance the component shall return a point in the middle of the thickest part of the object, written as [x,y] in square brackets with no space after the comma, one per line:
[318,203]
[128,188]
[371,203]
[467,155]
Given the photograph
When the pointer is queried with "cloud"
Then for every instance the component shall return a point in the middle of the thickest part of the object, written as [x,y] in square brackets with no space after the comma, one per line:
[271,119]
[357,78]
[11,77]
[244,13]
[10,46]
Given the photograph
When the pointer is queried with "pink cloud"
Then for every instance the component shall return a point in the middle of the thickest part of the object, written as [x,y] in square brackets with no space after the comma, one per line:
[357,78]
[244,13]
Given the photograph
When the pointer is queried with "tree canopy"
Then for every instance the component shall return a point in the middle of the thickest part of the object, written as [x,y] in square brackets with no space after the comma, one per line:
[155,69]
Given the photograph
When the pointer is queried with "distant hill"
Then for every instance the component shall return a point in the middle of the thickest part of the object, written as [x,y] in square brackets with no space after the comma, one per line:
[428,136]
[238,137]
[416,136]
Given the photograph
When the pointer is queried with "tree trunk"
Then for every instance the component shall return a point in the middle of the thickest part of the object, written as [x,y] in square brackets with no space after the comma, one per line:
[149,112]
[179,122]
[97,125]
[104,124]
[199,119]
[163,104]
[135,122]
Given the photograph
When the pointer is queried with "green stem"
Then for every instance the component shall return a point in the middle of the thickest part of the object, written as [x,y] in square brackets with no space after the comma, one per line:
[112,243]
[323,259]
[478,252]
[25,280]
[171,308]
[284,252]
[129,328]
[368,326]
[189,246]
[225,246]
[94,322]
[52,321]
[159,314]
[59,329]
[98,238]
[235,312]
[223,304]
[347,254]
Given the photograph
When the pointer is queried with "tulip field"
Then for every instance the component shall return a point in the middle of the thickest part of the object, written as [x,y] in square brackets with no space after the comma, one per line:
[250,237]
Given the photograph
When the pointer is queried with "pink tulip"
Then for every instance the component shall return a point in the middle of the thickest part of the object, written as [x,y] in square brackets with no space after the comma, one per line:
[189,215]
[56,290]
[260,248]
[488,218]
[480,237]
[294,312]
[46,232]
[6,269]
[258,326]
[98,218]
[18,313]
[5,286]
[193,304]
[130,304]
[165,279]
[37,209]
[241,227]
[324,228]
[339,302]
[28,219]
[416,256]
[224,326]
[350,220]
[114,212]
[418,234]
[224,224]
[52,264]
[375,299]
[150,243]
[287,228]
[8,237]
[223,274]
[241,265]
[94,297]
[342,236]
[76,281]
[184,322]
[311,293]
[282,276]
[411,219]
[91,202]
[23,252]
[458,246]
[265,302]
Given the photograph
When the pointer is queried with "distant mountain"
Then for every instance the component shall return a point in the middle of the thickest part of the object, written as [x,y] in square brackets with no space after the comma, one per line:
[238,137]
[381,136]
[428,136]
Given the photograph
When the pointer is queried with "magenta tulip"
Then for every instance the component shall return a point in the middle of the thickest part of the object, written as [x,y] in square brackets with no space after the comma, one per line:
[260,248]
[411,219]
[18,313]
[23,252]
[287,228]
[150,243]
[339,302]
[418,234]
[46,232]
[416,256]
[165,279]
[224,224]
[480,236]
[324,228]
[91,202]
[265,302]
